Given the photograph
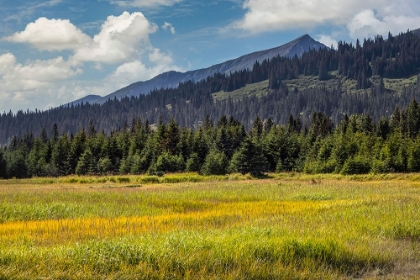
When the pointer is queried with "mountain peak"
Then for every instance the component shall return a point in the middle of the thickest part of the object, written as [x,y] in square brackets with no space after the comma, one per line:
[172,79]
[306,36]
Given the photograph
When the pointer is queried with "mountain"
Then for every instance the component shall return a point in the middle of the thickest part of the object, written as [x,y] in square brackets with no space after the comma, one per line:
[372,79]
[416,31]
[87,99]
[171,79]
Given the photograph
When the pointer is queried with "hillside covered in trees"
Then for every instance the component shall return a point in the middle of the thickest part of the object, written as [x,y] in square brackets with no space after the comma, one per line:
[372,78]
[356,145]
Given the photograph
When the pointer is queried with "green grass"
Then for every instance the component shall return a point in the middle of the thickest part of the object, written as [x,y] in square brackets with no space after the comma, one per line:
[288,226]
[305,82]
[256,89]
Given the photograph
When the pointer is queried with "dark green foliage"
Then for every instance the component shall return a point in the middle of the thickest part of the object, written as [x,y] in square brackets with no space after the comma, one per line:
[59,158]
[249,158]
[215,163]
[413,162]
[358,72]
[105,166]
[356,166]
[170,163]
[193,163]
[16,165]
[358,145]
[86,164]
[3,165]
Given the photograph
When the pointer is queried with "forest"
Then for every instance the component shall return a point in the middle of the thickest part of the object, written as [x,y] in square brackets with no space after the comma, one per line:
[356,124]
[352,79]
[357,145]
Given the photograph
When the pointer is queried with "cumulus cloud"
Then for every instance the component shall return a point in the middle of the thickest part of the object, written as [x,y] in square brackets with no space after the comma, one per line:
[269,15]
[151,4]
[366,24]
[51,35]
[134,71]
[358,15]
[32,83]
[7,61]
[168,26]
[327,40]
[121,38]
[33,74]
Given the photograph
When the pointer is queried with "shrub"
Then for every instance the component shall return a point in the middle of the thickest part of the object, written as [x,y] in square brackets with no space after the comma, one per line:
[216,163]
[170,163]
[356,166]
[193,163]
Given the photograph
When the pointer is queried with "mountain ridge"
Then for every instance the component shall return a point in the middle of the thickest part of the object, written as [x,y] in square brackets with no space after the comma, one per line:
[171,79]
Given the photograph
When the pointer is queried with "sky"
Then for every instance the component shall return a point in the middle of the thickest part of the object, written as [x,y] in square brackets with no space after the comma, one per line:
[56,51]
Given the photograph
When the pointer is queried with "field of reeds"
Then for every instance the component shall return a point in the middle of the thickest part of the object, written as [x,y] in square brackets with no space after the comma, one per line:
[186,226]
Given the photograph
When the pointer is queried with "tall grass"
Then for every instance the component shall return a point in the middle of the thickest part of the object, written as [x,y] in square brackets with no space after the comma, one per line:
[292,226]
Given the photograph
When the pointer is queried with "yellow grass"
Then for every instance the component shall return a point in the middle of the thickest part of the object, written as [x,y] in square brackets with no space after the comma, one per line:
[289,227]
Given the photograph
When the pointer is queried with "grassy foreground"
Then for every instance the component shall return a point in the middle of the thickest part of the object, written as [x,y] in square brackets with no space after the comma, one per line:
[228,227]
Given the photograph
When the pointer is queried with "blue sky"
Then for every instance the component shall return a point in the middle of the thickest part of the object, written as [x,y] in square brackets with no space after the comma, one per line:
[56,51]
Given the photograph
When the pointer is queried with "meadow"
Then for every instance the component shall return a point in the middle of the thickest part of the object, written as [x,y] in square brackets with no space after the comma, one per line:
[186,226]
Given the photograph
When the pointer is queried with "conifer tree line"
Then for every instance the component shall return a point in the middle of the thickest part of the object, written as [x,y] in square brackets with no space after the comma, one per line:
[356,145]
[189,103]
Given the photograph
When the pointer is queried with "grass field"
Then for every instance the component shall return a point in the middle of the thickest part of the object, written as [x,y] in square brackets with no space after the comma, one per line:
[287,226]
[305,82]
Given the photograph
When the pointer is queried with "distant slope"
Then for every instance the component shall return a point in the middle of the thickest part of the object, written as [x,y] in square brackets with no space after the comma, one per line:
[172,79]
[416,31]
[87,99]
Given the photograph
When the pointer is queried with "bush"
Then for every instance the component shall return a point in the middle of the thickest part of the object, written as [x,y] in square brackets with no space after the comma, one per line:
[315,167]
[193,163]
[170,163]
[380,166]
[104,165]
[123,180]
[356,166]
[216,163]
[249,159]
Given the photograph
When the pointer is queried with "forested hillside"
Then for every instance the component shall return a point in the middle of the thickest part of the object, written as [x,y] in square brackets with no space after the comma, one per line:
[372,78]
[356,145]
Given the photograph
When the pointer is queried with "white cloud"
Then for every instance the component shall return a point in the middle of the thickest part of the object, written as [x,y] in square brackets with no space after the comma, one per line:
[168,26]
[272,15]
[31,84]
[120,39]
[51,35]
[327,40]
[123,40]
[34,74]
[135,71]
[7,61]
[128,73]
[151,4]
[269,15]
[366,24]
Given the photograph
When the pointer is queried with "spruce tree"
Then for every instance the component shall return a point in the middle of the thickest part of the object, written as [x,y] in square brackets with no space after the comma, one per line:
[249,159]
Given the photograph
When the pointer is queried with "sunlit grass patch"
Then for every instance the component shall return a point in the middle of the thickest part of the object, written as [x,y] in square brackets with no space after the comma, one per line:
[286,226]
[239,253]
[405,230]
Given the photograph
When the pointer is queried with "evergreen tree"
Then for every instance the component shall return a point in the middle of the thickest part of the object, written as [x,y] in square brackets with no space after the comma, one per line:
[3,165]
[86,164]
[216,163]
[172,138]
[193,163]
[257,127]
[16,165]
[77,148]
[249,159]
[59,158]
[413,161]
